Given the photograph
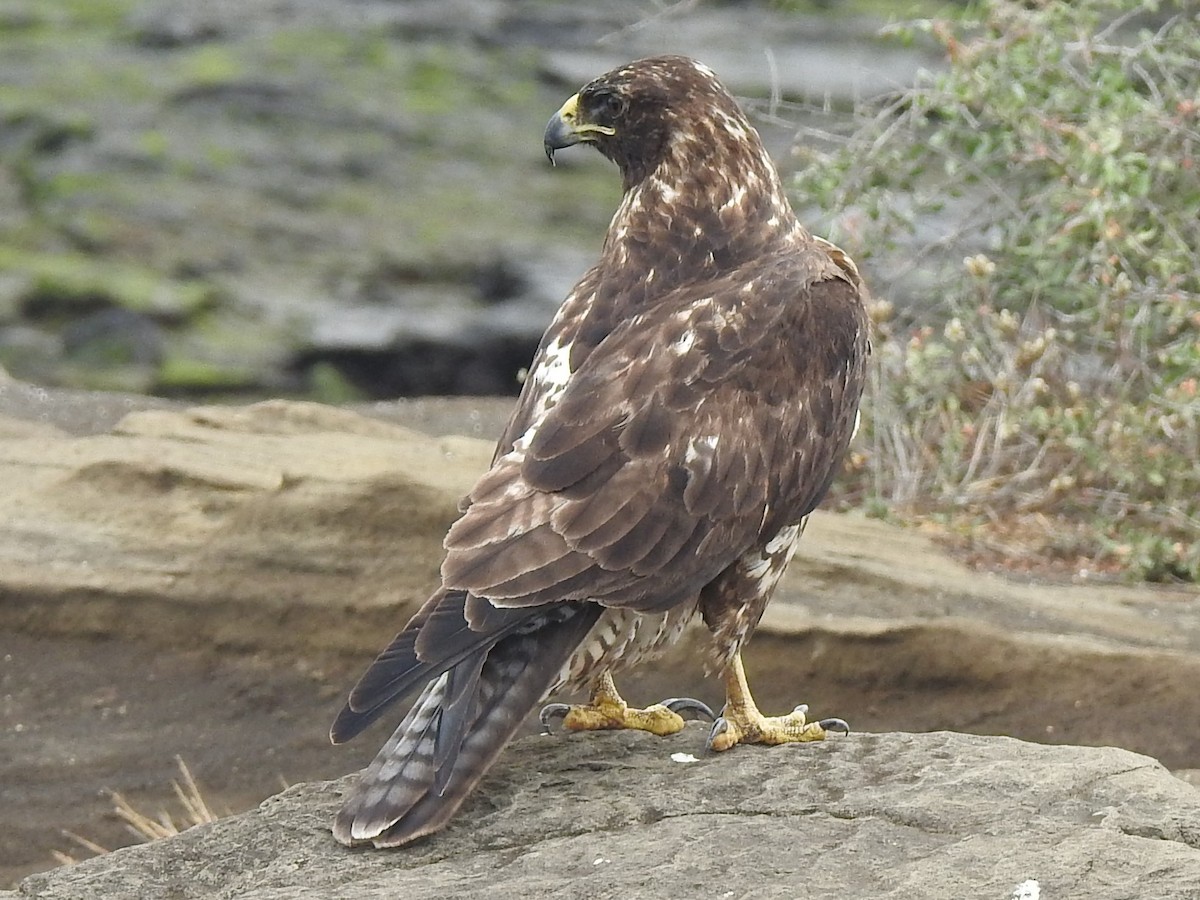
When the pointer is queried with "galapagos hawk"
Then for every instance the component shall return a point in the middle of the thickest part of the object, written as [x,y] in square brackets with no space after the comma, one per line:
[686,410]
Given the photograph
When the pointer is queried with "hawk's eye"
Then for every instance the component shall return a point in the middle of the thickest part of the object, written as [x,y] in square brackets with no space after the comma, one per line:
[612,105]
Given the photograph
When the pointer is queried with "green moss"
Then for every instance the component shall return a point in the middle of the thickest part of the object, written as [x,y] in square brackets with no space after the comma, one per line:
[320,46]
[374,52]
[154,144]
[435,85]
[35,16]
[219,156]
[186,375]
[327,385]
[92,14]
[66,185]
[354,200]
[210,64]
[62,284]
[131,82]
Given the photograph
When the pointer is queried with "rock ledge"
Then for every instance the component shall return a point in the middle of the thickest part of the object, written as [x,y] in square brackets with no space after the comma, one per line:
[613,815]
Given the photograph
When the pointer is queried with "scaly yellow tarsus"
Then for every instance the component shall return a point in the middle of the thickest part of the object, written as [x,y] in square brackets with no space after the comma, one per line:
[742,723]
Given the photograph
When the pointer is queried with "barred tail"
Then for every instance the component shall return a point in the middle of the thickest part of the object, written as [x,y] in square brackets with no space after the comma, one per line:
[456,729]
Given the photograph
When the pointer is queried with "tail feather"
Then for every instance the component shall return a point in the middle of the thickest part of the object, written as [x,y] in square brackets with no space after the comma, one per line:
[405,663]
[402,766]
[457,728]
[459,711]
[388,679]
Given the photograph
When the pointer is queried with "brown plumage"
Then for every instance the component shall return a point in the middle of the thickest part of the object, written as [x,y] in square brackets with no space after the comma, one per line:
[685,412]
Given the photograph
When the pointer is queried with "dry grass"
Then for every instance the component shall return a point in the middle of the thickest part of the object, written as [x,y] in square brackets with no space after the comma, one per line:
[196,811]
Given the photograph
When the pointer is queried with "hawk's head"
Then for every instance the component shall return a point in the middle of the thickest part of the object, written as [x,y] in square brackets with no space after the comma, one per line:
[634,115]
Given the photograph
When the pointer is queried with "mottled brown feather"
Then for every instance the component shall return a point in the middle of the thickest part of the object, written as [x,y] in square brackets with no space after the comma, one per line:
[753,425]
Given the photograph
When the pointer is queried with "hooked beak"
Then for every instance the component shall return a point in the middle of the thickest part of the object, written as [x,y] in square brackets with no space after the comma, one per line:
[565,129]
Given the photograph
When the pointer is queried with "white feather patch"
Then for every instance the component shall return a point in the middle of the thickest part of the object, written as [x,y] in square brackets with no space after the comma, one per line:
[768,567]
[684,344]
[551,376]
[783,539]
[700,448]
[739,194]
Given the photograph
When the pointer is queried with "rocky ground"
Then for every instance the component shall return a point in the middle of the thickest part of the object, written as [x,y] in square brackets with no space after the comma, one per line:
[207,583]
[630,815]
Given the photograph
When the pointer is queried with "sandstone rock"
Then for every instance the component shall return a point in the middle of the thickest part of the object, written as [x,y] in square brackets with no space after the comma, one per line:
[215,524]
[134,497]
[615,815]
[306,534]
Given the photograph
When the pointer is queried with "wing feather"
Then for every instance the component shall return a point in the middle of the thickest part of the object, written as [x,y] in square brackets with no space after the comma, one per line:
[640,482]
[597,520]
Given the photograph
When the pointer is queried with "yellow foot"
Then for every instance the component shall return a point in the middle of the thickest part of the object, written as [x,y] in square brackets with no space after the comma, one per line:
[660,719]
[746,725]
[607,710]
[610,713]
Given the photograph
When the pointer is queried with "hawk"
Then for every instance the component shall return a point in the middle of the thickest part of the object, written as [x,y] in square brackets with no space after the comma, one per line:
[686,410]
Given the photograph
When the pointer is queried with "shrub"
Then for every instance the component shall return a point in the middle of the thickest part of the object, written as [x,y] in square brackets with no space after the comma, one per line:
[1047,404]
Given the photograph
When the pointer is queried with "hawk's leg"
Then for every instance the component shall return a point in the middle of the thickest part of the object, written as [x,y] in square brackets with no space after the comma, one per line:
[606,710]
[742,723]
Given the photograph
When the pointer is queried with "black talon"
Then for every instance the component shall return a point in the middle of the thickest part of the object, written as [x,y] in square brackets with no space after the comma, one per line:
[550,712]
[719,727]
[687,704]
[835,725]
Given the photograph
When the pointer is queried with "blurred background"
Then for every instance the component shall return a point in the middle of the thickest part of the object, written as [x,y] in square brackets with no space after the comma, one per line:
[344,200]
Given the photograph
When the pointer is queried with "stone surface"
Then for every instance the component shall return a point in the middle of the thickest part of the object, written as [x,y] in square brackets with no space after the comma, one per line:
[187,510]
[614,815]
[242,506]
[208,582]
